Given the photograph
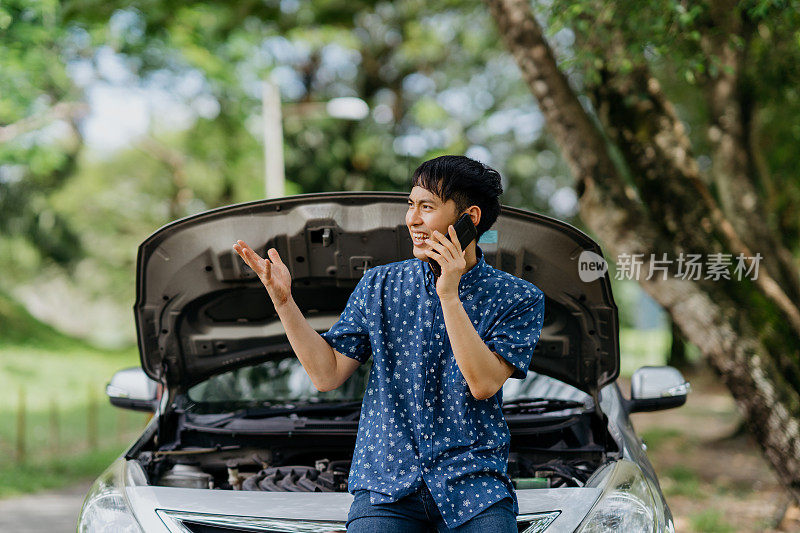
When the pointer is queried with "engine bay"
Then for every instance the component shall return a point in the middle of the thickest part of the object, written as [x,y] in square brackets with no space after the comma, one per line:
[546,452]
[331,476]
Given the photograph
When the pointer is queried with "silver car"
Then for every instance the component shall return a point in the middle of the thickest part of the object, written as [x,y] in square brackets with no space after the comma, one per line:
[242,441]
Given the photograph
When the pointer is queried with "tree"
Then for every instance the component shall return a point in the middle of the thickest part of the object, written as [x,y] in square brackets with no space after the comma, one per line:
[36,93]
[639,181]
[433,76]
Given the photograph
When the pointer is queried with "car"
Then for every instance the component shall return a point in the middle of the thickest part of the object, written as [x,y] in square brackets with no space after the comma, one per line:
[241,440]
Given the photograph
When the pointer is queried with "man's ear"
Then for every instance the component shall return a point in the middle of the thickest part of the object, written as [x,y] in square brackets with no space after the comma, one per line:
[475,214]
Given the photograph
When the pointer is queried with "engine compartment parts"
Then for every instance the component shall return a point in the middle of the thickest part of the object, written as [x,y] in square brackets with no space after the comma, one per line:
[186,476]
[251,473]
[234,479]
[531,483]
[300,479]
[530,474]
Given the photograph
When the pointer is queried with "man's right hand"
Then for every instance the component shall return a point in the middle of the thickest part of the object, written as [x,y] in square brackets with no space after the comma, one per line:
[272,272]
[326,367]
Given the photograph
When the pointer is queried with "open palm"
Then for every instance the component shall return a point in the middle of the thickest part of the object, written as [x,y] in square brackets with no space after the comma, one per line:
[272,272]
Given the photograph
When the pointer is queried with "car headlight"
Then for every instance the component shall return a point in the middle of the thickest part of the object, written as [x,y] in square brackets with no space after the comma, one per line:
[106,506]
[628,503]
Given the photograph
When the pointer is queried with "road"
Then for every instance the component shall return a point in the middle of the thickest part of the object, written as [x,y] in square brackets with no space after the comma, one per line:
[46,512]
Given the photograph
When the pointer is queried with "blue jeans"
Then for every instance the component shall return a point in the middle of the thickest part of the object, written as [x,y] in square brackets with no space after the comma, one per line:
[417,513]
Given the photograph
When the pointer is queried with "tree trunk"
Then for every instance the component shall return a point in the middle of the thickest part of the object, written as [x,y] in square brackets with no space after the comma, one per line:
[739,325]
[677,349]
[735,171]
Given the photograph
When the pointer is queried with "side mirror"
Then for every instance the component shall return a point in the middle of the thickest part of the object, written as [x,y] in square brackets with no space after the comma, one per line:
[132,389]
[654,388]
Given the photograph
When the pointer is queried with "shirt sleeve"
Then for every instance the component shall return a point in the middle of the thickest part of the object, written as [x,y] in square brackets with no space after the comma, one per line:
[516,332]
[350,335]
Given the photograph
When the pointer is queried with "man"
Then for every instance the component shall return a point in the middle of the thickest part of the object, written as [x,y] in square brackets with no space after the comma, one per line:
[432,445]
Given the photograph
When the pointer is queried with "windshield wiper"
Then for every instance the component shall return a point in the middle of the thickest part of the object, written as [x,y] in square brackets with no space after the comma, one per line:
[539,405]
[267,411]
[305,408]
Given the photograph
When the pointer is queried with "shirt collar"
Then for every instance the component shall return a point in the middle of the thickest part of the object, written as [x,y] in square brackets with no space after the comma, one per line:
[467,278]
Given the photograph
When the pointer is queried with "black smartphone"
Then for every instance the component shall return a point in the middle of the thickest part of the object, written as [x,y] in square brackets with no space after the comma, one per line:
[465,232]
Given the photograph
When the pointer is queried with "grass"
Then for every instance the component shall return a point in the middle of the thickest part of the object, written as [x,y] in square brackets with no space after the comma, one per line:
[680,480]
[71,432]
[19,328]
[656,437]
[711,521]
[66,375]
[55,472]
[737,489]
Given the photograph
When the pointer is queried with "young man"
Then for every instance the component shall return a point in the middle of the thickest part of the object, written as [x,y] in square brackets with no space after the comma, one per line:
[432,445]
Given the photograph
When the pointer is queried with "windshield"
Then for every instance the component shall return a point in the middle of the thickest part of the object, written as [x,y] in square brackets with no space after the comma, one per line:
[284,381]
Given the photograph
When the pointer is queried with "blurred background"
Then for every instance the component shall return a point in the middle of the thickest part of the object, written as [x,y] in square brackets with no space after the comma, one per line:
[118,117]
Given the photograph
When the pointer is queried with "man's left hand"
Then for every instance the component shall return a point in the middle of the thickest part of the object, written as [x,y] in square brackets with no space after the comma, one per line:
[450,256]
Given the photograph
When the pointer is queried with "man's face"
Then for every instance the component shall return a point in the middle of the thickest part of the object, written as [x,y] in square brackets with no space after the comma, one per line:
[426,212]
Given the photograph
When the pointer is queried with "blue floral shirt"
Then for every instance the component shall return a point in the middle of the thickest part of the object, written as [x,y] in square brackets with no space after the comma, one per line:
[419,420]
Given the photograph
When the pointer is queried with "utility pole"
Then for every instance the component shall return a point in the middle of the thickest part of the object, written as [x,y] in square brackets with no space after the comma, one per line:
[273,141]
[346,108]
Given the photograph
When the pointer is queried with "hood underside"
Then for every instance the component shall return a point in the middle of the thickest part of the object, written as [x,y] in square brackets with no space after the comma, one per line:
[200,310]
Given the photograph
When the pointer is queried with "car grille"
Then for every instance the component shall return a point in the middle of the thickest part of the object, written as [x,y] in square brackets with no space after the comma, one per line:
[206,528]
[536,522]
[184,522]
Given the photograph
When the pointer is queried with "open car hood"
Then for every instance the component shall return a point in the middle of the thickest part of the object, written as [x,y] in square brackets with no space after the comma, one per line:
[201,310]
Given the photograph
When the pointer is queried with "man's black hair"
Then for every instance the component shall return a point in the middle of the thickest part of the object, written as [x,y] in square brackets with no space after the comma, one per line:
[466,181]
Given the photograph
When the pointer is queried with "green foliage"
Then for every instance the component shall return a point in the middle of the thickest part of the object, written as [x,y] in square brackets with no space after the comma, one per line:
[55,472]
[679,43]
[36,159]
[19,328]
[683,482]
[434,74]
[711,521]
[641,348]
[57,378]
[62,372]
[656,438]
[406,60]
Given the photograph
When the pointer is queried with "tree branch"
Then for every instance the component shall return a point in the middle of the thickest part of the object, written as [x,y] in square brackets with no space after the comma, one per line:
[61,111]
[176,162]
